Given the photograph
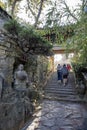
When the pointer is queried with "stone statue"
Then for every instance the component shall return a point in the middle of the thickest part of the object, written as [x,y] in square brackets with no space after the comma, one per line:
[20,78]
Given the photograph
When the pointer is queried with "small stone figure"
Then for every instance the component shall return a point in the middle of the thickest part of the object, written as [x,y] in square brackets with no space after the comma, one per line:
[20,79]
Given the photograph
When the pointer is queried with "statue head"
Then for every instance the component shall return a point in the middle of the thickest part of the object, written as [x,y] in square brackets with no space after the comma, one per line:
[20,67]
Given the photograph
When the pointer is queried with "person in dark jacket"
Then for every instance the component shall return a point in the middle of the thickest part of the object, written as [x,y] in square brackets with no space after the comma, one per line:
[64,74]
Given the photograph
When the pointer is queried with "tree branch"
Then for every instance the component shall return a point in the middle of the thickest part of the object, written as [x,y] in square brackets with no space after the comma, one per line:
[39,12]
[31,9]
[69,11]
[13,7]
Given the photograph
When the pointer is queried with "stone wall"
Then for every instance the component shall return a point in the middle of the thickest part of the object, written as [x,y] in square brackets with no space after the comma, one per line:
[6,60]
[14,111]
[38,69]
[12,115]
[2,22]
[6,66]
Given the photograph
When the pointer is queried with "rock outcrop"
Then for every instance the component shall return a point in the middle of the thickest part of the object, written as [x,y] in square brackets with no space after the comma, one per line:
[16,108]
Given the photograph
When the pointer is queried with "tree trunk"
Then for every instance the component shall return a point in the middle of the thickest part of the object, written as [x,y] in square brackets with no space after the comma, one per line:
[13,7]
[39,12]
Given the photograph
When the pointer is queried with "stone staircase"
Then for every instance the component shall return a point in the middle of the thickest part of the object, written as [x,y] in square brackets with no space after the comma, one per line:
[57,91]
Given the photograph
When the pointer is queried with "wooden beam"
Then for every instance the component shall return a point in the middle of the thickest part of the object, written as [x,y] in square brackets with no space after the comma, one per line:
[63,51]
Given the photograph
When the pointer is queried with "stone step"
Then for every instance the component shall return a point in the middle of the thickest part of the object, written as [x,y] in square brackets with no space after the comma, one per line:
[55,85]
[77,99]
[58,85]
[63,98]
[55,90]
[60,89]
[61,95]
[61,92]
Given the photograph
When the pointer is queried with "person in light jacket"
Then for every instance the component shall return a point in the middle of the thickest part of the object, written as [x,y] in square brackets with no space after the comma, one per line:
[59,73]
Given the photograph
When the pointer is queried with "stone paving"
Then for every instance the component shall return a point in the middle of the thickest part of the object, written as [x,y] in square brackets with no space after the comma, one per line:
[59,115]
[56,115]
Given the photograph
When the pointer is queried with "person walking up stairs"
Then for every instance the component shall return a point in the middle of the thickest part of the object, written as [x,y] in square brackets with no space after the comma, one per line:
[65,74]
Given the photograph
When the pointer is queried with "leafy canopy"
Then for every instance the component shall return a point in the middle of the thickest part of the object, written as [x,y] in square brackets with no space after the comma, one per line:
[28,39]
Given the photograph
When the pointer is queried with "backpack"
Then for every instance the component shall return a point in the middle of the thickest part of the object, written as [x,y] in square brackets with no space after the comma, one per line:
[64,71]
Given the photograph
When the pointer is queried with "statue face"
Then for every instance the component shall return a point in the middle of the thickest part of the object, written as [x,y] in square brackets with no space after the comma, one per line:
[20,67]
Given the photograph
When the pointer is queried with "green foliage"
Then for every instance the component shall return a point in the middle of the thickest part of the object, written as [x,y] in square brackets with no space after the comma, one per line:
[34,95]
[34,38]
[80,40]
[28,37]
[26,33]
[78,69]
[13,27]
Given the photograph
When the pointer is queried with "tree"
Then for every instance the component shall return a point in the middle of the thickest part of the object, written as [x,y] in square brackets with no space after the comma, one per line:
[75,25]
[32,7]
[61,14]
[36,16]
[27,39]
[61,18]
